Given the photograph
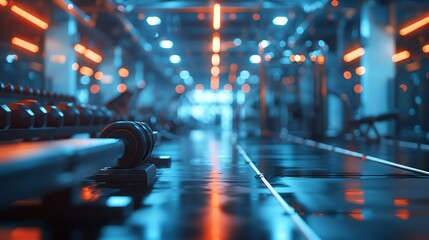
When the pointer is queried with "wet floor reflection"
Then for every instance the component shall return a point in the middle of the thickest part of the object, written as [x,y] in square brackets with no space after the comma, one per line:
[344,197]
[209,193]
[21,233]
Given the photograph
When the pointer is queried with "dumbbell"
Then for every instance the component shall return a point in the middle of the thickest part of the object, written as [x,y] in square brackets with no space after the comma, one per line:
[21,116]
[18,89]
[107,114]
[5,116]
[71,114]
[98,115]
[86,114]
[138,139]
[37,92]
[28,91]
[55,116]
[8,88]
[40,113]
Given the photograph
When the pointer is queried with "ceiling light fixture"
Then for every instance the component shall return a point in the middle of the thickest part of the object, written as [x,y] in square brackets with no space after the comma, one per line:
[153,20]
[280,20]
[167,44]
[216,16]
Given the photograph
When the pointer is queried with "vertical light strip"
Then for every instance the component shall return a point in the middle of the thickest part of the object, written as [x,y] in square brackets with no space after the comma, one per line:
[215,59]
[216,43]
[214,83]
[34,20]
[216,16]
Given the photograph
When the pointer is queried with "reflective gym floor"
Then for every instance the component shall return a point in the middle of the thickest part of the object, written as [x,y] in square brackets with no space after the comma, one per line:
[211,192]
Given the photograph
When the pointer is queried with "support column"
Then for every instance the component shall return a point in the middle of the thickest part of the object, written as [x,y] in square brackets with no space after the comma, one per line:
[59,53]
[378,39]
[262,95]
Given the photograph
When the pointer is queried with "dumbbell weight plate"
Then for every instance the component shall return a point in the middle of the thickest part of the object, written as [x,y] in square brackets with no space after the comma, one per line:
[22,116]
[86,115]
[28,91]
[149,137]
[134,139]
[8,88]
[5,116]
[18,89]
[40,113]
[55,116]
[71,114]
[107,114]
[2,87]
[98,116]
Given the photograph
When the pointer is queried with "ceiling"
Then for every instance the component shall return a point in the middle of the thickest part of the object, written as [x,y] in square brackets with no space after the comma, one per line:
[188,24]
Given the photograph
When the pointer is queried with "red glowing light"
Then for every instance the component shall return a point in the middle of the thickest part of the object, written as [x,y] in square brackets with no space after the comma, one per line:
[180,89]
[358,88]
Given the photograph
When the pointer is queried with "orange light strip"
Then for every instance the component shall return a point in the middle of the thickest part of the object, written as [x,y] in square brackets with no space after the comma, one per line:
[24,44]
[31,18]
[216,16]
[214,83]
[93,56]
[401,56]
[88,53]
[215,59]
[414,26]
[3,3]
[425,48]
[216,43]
[86,71]
[354,54]
[215,71]
[79,48]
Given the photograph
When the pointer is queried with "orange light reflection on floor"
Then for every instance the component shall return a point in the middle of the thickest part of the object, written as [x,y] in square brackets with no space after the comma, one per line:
[217,224]
[354,196]
[403,214]
[27,233]
[357,214]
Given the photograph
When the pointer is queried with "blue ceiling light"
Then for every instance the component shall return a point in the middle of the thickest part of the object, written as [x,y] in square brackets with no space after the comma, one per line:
[166,44]
[255,59]
[237,42]
[153,20]
[184,74]
[280,20]
[175,59]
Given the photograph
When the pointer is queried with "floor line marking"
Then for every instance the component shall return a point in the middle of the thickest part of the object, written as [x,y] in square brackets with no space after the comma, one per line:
[300,223]
[324,146]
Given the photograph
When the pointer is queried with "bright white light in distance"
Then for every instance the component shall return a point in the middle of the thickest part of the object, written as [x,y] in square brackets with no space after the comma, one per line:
[166,44]
[175,59]
[153,20]
[255,59]
[264,43]
[280,20]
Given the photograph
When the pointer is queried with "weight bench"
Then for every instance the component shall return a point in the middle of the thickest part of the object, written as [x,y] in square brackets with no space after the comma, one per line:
[34,169]
[356,124]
